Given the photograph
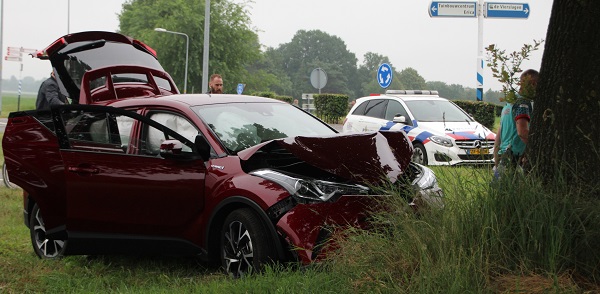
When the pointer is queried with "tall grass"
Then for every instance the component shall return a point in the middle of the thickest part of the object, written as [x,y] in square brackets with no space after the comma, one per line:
[509,235]
[513,235]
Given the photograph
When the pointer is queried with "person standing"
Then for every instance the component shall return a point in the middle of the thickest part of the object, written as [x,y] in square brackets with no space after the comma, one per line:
[215,84]
[49,94]
[513,133]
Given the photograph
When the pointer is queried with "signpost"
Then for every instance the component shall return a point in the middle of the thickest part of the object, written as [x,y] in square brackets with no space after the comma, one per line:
[16,54]
[240,89]
[506,10]
[385,75]
[453,9]
[479,9]
[318,78]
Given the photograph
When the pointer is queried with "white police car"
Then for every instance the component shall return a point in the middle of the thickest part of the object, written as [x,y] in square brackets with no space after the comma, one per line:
[441,132]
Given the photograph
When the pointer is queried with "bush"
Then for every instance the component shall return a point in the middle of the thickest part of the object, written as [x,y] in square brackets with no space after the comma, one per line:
[288,99]
[483,112]
[331,107]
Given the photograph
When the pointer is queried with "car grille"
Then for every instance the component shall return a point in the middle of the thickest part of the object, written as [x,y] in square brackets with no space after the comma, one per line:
[474,144]
[471,144]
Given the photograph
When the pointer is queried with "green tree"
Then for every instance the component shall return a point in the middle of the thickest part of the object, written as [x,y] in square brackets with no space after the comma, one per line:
[311,49]
[367,75]
[411,79]
[233,44]
[265,76]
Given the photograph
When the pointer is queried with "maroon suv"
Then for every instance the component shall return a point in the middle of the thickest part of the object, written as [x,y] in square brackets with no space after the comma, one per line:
[136,167]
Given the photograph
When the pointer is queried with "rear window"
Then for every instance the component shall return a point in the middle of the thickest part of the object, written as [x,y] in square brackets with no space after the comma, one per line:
[79,57]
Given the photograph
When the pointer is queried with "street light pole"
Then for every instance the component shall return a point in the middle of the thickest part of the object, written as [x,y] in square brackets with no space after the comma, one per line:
[187,47]
[206,46]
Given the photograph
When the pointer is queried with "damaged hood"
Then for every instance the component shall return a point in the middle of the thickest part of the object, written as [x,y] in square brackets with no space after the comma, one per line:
[364,158]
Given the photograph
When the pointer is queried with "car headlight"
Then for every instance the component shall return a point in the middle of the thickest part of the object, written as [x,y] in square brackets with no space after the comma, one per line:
[427,187]
[310,189]
[441,140]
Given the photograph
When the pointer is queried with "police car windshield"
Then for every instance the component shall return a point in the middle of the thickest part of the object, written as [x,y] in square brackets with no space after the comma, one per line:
[437,110]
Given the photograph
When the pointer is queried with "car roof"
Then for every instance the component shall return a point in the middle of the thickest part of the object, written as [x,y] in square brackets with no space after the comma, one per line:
[402,97]
[191,100]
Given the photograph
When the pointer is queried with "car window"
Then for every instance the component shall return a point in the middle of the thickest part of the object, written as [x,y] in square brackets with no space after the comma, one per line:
[376,108]
[436,110]
[97,131]
[109,130]
[394,108]
[361,108]
[155,137]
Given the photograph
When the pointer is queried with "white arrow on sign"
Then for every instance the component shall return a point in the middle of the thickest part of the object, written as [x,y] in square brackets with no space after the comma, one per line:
[13,58]
[21,49]
[452,9]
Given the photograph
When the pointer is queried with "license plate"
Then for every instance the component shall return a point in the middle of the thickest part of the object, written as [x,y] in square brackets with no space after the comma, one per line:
[478,151]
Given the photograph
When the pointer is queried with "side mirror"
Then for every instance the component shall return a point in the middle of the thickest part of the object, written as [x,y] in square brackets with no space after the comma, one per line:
[399,119]
[203,147]
[170,148]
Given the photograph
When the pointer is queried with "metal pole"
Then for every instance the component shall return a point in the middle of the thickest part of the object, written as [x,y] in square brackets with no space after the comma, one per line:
[68,16]
[187,47]
[206,43]
[480,51]
[20,81]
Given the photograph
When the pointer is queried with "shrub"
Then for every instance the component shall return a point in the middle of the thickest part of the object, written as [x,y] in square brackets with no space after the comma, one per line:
[331,107]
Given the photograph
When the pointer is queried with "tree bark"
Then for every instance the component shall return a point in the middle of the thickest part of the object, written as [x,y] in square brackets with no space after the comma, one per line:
[564,131]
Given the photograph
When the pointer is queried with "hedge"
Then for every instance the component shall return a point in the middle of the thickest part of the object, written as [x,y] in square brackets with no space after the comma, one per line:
[483,112]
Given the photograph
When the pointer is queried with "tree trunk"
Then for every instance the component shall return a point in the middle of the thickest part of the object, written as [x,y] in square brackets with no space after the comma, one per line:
[565,132]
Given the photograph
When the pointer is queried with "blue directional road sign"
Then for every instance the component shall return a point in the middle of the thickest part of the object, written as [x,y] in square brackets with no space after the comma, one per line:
[384,75]
[506,10]
[452,9]
[240,89]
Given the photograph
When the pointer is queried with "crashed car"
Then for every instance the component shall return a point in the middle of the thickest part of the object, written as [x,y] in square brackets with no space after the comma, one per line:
[234,179]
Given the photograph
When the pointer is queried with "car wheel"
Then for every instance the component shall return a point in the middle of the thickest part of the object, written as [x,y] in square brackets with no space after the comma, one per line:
[7,182]
[43,247]
[420,154]
[245,245]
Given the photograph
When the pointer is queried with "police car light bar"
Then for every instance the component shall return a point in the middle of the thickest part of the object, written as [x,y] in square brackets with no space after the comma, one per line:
[411,92]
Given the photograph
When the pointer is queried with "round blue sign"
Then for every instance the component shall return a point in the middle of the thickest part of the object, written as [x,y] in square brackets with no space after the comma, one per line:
[384,75]
[240,89]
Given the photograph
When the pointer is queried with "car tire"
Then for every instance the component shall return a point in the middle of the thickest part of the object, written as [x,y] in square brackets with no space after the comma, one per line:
[43,247]
[420,154]
[5,179]
[245,244]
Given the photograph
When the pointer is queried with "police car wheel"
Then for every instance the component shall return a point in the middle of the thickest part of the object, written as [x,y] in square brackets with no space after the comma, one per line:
[420,154]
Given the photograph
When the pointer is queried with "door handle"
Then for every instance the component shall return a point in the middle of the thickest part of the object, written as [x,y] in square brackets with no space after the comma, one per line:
[83,170]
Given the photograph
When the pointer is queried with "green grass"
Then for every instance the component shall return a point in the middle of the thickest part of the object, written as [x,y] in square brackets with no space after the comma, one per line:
[10,103]
[513,236]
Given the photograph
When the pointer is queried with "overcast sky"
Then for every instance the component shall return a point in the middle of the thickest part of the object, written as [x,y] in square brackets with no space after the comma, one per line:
[440,49]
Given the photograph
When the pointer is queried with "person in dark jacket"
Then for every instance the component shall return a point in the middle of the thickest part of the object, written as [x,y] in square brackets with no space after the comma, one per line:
[49,94]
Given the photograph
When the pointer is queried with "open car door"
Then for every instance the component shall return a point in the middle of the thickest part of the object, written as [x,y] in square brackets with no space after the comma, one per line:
[114,185]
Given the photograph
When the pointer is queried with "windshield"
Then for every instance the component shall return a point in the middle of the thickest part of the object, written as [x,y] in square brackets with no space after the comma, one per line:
[242,125]
[436,111]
